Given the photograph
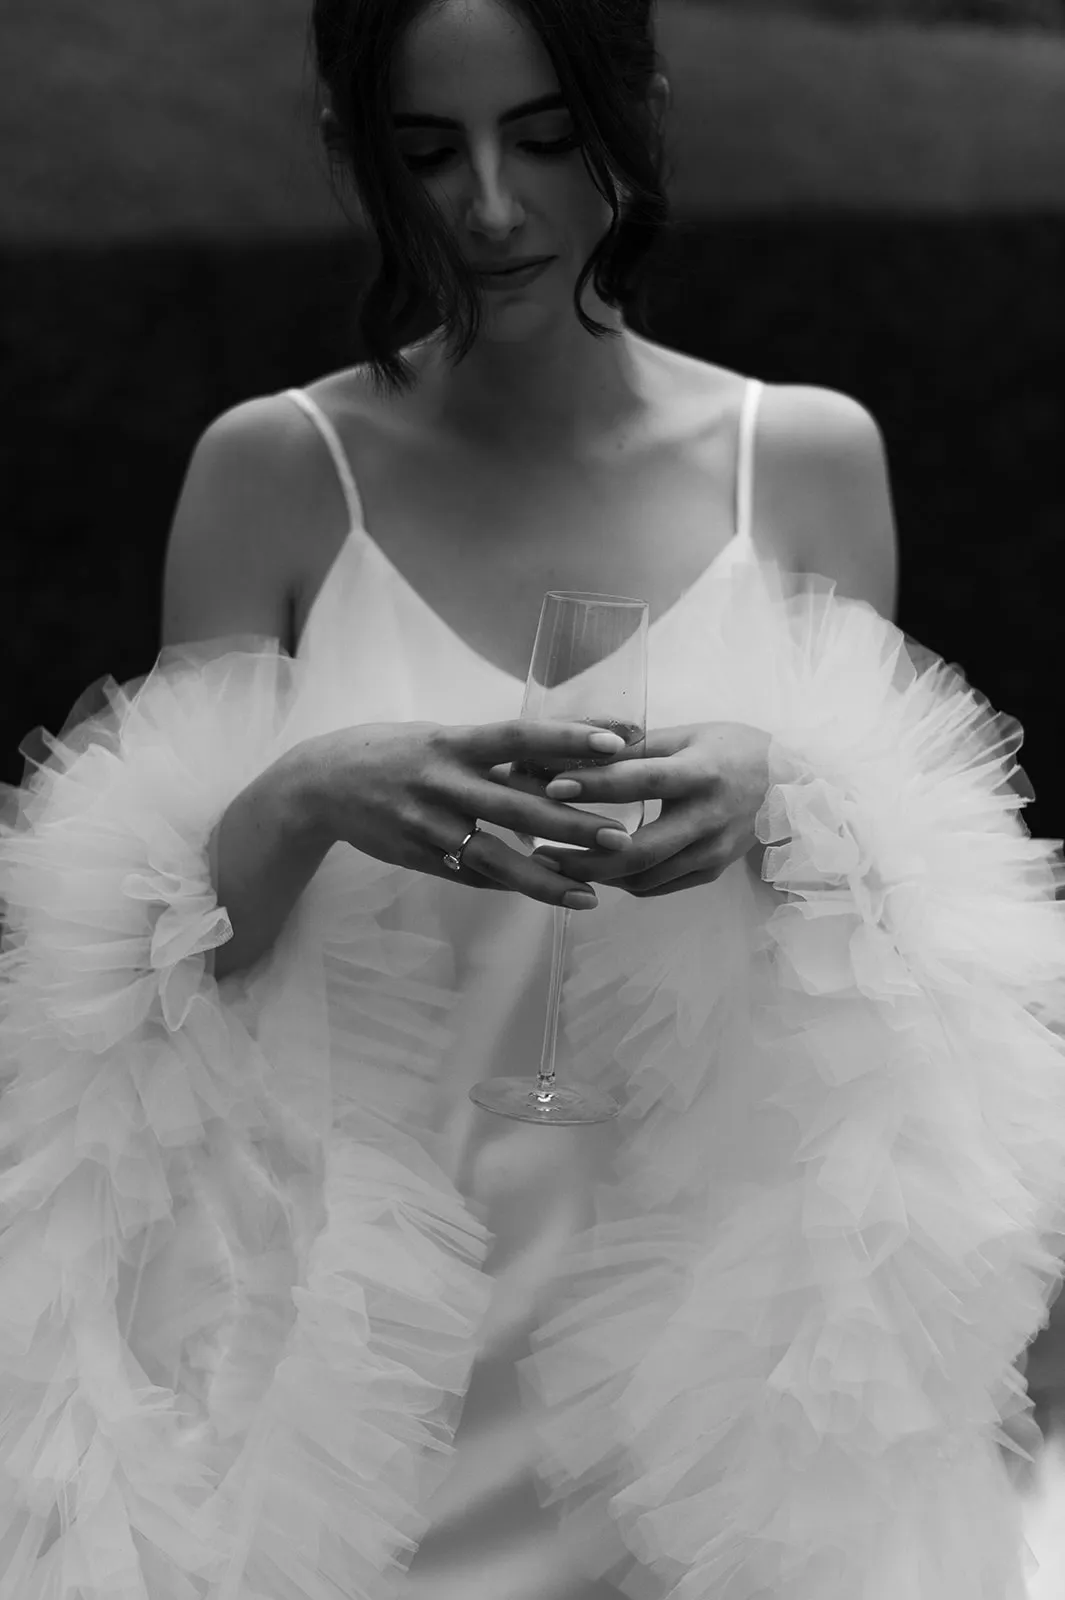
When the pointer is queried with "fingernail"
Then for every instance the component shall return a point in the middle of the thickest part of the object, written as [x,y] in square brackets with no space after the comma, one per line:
[602,740]
[563,789]
[613,839]
[551,865]
[579,900]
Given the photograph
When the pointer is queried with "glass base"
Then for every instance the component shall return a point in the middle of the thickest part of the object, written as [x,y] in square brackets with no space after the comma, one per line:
[520,1099]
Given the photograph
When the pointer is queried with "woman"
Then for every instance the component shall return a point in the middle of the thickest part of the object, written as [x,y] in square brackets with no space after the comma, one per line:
[283,1315]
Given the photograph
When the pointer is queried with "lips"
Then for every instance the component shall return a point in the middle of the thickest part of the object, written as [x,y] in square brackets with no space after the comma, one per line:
[517,266]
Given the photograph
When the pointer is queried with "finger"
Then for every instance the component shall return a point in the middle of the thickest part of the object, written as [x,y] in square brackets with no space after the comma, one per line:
[473,880]
[691,880]
[705,858]
[643,888]
[491,858]
[667,741]
[525,739]
[666,840]
[668,778]
[536,816]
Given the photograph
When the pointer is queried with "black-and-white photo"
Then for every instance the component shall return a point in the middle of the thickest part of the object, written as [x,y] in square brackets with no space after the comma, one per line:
[532,893]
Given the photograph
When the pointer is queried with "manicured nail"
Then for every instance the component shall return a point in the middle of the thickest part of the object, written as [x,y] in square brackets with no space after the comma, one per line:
[581,900]
[563,789]
[604,741]
[613,839]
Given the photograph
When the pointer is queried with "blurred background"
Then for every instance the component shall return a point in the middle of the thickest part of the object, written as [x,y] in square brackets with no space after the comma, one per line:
[872,195]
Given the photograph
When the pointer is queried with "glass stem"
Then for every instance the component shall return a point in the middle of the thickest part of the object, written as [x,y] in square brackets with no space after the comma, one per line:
[546,1081]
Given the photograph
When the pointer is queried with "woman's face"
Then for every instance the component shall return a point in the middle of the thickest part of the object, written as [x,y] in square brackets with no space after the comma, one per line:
[511,185]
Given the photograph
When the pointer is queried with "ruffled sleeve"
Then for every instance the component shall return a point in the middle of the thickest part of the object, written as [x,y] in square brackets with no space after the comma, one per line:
[893,818]
[784,1361]
[209,1382]
[123,1069]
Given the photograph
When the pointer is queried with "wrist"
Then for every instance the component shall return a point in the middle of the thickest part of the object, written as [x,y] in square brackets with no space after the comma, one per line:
[300,799]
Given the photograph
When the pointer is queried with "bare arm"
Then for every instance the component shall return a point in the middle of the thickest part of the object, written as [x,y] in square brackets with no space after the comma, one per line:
[229,567]
[825,491]
[263,853]
[232,554]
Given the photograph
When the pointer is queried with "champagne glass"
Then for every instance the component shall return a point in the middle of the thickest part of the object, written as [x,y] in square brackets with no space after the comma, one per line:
[589,664]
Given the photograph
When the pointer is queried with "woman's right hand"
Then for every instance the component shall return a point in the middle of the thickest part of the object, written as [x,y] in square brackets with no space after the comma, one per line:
[409,792]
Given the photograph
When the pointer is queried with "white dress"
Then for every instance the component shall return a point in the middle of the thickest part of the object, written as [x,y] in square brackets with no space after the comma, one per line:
[283,1316]
[488,1535]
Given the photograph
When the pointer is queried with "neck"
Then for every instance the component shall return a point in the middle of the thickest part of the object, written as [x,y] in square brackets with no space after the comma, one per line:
[561,391]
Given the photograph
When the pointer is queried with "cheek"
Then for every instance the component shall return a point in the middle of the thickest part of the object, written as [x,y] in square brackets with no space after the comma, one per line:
[569,200]
[588,205]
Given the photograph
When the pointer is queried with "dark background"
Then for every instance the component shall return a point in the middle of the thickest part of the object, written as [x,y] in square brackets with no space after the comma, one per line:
[950,329]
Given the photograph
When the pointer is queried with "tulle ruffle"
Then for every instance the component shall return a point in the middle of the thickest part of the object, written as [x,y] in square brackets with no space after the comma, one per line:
[240,1300]
[232,1354]
[793,1373]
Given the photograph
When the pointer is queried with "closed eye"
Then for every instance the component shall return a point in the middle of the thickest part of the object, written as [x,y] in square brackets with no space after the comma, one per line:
[555,147]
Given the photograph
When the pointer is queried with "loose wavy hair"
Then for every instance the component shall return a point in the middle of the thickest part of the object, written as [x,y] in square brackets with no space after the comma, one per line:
[605,56]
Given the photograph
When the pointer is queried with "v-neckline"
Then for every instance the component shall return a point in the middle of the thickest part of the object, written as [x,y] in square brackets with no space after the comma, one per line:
[359,533]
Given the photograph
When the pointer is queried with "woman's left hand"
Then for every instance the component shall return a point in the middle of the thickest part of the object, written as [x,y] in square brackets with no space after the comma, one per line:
[711,778]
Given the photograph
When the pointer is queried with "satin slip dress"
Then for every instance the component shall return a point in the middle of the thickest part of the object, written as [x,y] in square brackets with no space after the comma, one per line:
[488,1537]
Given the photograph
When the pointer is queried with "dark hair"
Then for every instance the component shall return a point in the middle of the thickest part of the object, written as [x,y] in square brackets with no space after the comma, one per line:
[605,56]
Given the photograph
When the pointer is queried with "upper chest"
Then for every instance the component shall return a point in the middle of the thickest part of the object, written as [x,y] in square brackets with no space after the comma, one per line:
[480,540]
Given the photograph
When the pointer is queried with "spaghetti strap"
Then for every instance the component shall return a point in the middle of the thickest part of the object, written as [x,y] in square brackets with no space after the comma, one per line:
[336,450]
[745,461]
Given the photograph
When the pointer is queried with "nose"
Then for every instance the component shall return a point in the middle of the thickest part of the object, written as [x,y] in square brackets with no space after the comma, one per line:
[494,207]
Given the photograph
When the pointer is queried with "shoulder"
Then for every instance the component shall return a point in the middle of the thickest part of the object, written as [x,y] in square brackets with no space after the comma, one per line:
[806,416]
[273,433]
[237,540]
[822,486]
[256,450]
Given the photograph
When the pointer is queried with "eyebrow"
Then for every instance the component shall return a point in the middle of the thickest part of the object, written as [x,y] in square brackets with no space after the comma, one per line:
[546,102]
